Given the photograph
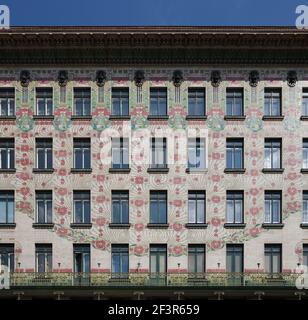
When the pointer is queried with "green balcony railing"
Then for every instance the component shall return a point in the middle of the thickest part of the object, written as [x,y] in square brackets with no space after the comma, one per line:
[141,279]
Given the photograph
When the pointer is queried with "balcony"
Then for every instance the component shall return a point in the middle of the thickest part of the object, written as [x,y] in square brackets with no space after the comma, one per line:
[141,279]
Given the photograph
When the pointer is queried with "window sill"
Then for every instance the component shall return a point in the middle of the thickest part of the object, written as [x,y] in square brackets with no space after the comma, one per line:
[196,225]
[81,225]
[304,225]
[74,170]
[235,118]
[7,117]
[266,170]
[119,225]
[81,117]
[304,118]
[41,117]
[272,225]
[190,117]
[119,170]
[304,170]
[162,117]
[7,170]
[231,170]
[115,117]
[192,170]
[7,225]
[158,170]
[234,225]
[272,118]
[158,225]
[36,170]
[43,225]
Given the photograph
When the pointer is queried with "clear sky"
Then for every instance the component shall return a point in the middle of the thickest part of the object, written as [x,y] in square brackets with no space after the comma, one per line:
[153,12]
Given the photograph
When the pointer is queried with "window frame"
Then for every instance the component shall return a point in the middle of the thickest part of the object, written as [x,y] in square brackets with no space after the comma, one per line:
[271,91]
[85,146]
[46,198]
[234,149]
[9,101]
[270,194]
[45,99]
[160,196]
[234,91]
[195,195]
[161,94]
[123,147]
[8,196]
[234,196]
[270,250]
[48,147]
[84,98]
[120,90]
[83,199]
[8,146]
[272,147]
[195,91]
[193,145]
[121,196]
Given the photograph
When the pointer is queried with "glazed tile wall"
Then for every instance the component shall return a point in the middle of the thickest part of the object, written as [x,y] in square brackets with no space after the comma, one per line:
[62,129]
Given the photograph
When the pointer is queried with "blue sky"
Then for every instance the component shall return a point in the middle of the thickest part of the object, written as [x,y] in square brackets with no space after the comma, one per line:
[153,12]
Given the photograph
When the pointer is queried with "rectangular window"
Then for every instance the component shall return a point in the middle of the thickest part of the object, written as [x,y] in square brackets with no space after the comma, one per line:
[43,206]
[158,152]
[120,101]
[305,207]
[305,102]
[120,260]
[305,254]
[305,153]
[272,102]
[82,101]
[196,153]
[273,258]
[196,258]
[272,153]
[196,102]
[81,258]
[196,207]
[158,206]
[235,153]
[158,101]
[235,258]
[272,204]
[43,148]
[43,257]
[7,207]
[7,102]
[82,207]
[7,257]
[158,259]
[44,103]
[120,153]
[7,153]
[235,206]
[120,201]
[235,102]
[82,153]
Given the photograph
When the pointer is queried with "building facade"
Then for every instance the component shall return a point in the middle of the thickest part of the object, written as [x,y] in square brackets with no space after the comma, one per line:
[153,162]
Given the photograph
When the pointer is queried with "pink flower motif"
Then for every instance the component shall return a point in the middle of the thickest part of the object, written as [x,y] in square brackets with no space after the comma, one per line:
[254,231]
[254,153]
[62,211]
[216,199]
[254,211]
[177,250]
[25,191]
[24,161]
[99,244]
[292,176]
[24,206]
[177,203]
[62,172]
[139,203]
[292,191]
[254,191]
[62,110]
[100,221]
[103,111]
[62,191]
[139,180]
[100,178]
[177,180]
[62,231]
[215,221]
[254,172]
[177,227]
[23,176]
[215,244]
[215,156]
[100,199]
[292,161]
[215,178]
[139,227]
[138,250]
[24,148]
[62,153]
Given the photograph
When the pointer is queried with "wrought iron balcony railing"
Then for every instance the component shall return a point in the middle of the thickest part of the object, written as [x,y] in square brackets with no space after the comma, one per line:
[140,279]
